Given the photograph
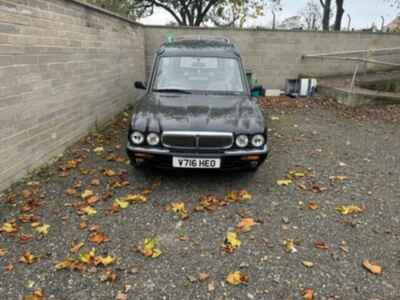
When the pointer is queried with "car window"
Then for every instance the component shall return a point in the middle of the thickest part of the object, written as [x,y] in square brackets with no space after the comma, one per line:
[213,74]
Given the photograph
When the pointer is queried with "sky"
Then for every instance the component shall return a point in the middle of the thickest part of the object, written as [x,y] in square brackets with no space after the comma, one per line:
[363,13]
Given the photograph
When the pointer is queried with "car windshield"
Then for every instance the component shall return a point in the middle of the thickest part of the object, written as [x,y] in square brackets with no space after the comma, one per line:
[210,74]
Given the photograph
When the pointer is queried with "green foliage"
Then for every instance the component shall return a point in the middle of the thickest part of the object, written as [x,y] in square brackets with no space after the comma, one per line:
[192,12]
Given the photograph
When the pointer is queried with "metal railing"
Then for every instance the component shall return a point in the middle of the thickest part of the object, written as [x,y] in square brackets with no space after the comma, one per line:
[361,56]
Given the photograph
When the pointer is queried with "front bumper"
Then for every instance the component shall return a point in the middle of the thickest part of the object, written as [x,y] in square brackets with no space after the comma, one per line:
[230,159]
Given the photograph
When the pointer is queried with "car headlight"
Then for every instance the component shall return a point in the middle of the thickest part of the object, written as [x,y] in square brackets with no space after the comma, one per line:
[153,139]
[258,140]
[137,138]
[242,141]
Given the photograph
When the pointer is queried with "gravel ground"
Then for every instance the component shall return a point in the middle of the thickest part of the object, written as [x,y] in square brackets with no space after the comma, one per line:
[340,158]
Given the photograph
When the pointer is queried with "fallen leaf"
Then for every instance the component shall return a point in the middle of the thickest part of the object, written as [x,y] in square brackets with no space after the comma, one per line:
[98,150]
[76,247]
[317,189]
[203,276]
[211,286]
[246,224]
[121,296]
[373,268]
[350,209]
[86,194]
[104,260]
[284,182]
[87,257]
[9,227]
[43,229]
[244,195]
[308,294]
[26,194]
[312,205]
[121,203]
[134,198]
[92,200]
[27,258]
[289,246]
[98,238]
[8,268]
[36,295]
[70,192]
[64,264]
[237,278]
[2,252]
[231,242]
[26,218]
[24,237]
[321,245]
[88,210]
[178,208]
[95,182]
[109,173]
[338,178]
[149,248]
[308,264]
[108,275]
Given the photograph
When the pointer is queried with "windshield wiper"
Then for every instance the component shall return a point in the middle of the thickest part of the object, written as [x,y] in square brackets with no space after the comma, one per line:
[172,91]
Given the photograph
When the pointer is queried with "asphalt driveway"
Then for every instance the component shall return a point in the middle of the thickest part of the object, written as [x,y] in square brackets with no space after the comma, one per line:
[323,218]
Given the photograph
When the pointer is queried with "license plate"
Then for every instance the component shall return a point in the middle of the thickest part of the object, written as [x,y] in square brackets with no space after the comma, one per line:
[196,163]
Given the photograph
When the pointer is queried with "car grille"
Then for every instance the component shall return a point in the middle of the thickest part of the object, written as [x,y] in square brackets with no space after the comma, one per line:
[197,140]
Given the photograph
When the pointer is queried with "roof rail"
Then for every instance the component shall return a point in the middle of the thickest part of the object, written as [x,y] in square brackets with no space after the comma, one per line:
[203,38]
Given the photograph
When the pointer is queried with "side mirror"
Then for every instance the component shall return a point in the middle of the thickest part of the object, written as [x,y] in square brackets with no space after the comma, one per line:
[140,85]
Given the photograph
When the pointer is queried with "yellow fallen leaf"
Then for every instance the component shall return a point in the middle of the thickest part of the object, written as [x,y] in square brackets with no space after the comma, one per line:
[179,208]
[338,178]
[121,203]
[350,209]
[104,260]
[231,242]
[43,229]
[296,174]
[88,210]
[236,278]
[373,268]
[87,257]
[308,264]
[8,228]
[246,224]
[244,195]
[275,118]
[36,295]
[109,173]
[64,264]
[284,182]
[134,198]
[308,294]
[86,194]
[149,248]
[27,258]
[98,150]
[289,246]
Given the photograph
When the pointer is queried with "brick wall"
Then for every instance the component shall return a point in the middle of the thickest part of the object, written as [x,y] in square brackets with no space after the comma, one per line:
[64,67]
[275,56]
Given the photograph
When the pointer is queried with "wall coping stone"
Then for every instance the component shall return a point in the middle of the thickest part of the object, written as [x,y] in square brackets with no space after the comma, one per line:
[105,11]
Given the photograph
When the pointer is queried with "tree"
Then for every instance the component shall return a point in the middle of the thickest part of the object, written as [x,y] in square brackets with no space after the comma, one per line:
[198,12]
[312,15]
[123,7]
[326,16]
[339,15]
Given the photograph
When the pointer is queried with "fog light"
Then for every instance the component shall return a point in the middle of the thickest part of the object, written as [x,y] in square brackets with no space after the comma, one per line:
[251,157]
[143,155]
